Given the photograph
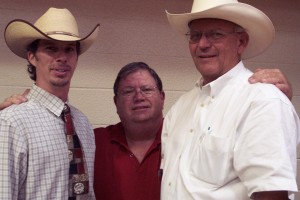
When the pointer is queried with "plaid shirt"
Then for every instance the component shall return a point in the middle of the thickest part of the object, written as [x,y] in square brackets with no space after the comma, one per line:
[34,160]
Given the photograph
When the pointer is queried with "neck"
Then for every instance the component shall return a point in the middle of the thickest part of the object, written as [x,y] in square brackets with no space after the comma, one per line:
[60,92]
[141,136]
[62,95]
[142,131]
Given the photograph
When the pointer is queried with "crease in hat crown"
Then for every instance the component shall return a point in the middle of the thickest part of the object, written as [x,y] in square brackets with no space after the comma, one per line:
[199,6]
[55,24]
[259,27]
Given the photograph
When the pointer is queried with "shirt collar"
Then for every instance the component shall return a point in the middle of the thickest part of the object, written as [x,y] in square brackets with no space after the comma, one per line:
[49,101]
[215,87]
[119,136]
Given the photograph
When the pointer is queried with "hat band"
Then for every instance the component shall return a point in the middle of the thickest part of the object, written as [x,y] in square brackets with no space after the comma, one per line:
[61,33]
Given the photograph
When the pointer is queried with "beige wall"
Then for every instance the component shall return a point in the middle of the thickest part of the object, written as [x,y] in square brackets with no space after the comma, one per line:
[136,30]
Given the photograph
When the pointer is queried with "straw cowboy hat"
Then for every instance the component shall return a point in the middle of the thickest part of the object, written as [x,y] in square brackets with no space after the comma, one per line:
[258,26]
[55,24]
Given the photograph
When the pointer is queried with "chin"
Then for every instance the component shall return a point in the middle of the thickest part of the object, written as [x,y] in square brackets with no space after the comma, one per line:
[142,119]
[61,83]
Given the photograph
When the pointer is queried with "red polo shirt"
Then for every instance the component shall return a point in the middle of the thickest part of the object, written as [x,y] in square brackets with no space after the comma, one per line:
[118,174]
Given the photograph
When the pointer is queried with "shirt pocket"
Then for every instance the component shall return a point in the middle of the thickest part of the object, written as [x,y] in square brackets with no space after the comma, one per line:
[212,160]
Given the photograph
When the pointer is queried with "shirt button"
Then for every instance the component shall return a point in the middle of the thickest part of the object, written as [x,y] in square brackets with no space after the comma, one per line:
[131,155]
[170,183]
[191,130]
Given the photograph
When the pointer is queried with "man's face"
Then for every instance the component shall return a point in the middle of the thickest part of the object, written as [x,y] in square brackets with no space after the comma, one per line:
[55,63]
[139,107]
[219,50]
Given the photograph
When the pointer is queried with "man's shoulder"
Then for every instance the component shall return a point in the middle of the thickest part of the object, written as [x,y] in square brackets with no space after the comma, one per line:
[104,135]
[108,129]
[79,116]
[18,111]
[186,99]
[264,91]
[76,111]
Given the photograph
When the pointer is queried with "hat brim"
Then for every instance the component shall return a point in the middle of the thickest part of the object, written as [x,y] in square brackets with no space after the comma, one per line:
[258,26]
[19,34]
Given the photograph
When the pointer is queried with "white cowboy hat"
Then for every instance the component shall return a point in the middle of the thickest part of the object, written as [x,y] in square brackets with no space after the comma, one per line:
[55,24]
[259,27]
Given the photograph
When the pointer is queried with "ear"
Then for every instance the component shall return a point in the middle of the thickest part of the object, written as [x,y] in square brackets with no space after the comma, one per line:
[162,95]
[115,100]
[242,42]
[31,58]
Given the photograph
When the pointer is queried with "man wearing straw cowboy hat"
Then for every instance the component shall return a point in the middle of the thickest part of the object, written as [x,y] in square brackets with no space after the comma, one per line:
[227,139]
[38,160]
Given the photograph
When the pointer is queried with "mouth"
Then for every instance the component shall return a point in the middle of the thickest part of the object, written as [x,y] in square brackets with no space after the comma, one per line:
[60,72]
[206,56]
[139,107]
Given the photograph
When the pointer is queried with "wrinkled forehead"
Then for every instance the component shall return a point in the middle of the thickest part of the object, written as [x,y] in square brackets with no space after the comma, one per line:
[211,23]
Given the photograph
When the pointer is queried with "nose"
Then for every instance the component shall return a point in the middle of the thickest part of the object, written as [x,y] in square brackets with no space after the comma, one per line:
[204,42]
[62,56]
[138,95]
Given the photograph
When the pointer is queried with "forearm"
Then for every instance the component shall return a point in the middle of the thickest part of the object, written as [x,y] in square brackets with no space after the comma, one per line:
[270,195]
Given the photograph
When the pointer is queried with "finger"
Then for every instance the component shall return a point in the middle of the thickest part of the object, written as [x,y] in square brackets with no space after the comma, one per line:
[5,104]
[268,76]
[258,69]
[16,99]
[259,76]
[272,80]
[285,89]
[26,92]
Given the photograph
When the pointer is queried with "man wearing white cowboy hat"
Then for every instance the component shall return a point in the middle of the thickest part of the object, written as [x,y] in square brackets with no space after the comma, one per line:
[38,160]
[227,139]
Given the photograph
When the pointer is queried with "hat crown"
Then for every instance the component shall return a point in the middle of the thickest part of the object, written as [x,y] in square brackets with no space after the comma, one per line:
[57,21]
[201,5]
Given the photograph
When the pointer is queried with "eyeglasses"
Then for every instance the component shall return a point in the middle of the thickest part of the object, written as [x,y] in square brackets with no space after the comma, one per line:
[212,36]
[146,91]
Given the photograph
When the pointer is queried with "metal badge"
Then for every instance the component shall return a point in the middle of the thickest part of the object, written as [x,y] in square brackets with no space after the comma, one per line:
[78,188]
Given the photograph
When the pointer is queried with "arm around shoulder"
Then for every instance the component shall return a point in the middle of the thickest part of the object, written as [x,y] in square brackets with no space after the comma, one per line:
[270,195]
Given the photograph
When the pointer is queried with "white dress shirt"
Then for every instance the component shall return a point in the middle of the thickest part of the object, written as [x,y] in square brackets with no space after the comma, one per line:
[229,139]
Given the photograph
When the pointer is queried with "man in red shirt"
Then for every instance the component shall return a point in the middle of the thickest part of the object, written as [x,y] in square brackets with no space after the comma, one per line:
[128,153]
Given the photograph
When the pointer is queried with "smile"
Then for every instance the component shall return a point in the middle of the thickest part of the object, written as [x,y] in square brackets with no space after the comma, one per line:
[140,107]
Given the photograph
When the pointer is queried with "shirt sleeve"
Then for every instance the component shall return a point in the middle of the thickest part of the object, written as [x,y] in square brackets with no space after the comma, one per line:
[13,165]
[265,152]
[165,134]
